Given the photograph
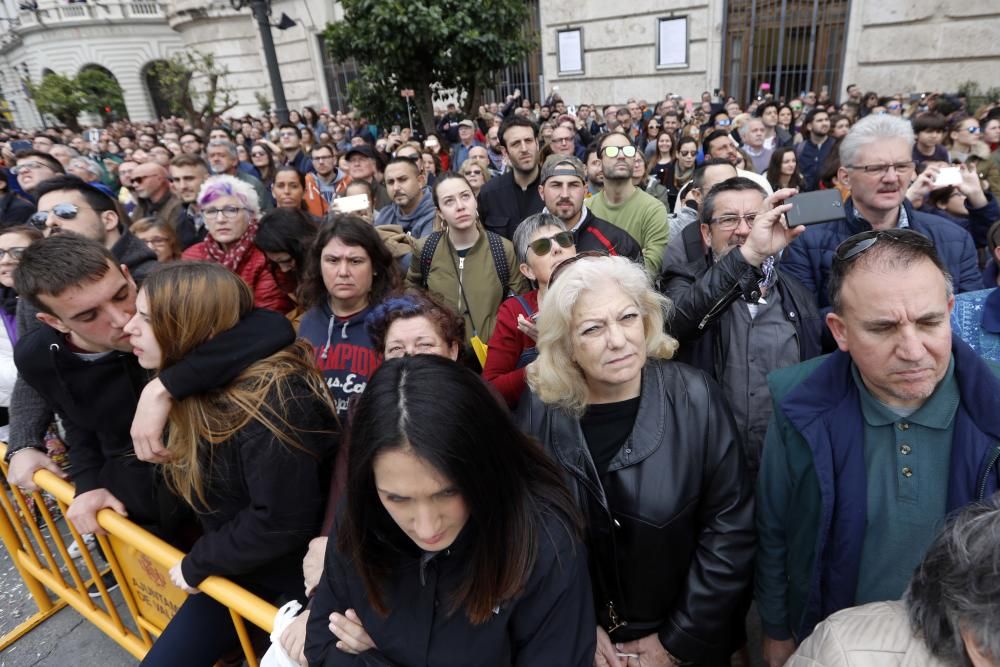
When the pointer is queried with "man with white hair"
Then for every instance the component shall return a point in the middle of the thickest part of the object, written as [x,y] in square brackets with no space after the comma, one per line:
[876,159]
[85,169]
[753,133]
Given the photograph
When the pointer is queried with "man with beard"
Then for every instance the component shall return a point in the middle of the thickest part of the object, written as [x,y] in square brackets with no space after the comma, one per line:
[152,190]
[813,151]
[627,207]
[412,207]
[511,197]
[563,187]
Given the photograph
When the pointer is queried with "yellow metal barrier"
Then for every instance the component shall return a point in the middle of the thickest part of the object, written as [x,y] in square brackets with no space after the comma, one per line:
[138,560]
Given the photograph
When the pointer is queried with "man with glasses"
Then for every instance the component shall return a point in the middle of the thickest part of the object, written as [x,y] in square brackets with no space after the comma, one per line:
[563,140]
[329,179]
[151,185]
[290,138]
[869,448]
[224,159]
[735,314]
[876,160]
[32,167]
[466,140]
[642,216]
[191,143]
[563,184]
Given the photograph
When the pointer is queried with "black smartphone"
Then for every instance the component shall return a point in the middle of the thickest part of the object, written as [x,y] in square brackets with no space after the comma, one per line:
[813,208]
[20,145]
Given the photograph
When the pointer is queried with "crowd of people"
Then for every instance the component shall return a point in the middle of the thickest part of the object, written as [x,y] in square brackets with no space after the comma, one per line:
[552,385]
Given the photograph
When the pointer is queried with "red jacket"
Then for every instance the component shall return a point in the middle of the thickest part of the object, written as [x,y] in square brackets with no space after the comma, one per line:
[505,347]
[255,272]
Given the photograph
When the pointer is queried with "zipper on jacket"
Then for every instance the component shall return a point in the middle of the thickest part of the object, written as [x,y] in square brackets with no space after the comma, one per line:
[719,306]
[986,473]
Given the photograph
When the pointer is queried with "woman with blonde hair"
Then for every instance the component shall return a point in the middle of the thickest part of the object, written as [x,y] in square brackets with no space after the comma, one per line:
[652,456]
[252,459]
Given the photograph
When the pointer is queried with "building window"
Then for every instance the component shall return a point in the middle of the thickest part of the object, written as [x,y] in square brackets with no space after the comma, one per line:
[671,42]
[569,51]
[338,76]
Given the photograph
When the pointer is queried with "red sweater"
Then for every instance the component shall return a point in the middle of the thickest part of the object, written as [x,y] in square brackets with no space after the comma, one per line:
[255,273]
[505,347]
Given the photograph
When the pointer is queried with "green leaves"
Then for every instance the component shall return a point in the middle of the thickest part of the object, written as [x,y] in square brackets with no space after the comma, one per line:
[428,45]
[194,85]
[93,89]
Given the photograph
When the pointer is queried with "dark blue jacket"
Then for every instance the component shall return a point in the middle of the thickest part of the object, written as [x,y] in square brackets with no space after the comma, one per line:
[810,256]
[977,222]
[812,490]
[811,158]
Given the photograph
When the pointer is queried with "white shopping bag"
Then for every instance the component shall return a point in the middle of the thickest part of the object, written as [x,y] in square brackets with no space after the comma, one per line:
[276,656]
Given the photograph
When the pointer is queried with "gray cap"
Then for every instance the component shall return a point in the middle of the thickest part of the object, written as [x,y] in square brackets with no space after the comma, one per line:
[563,165]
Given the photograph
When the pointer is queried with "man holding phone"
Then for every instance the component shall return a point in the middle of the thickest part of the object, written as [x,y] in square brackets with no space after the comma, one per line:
[736,315]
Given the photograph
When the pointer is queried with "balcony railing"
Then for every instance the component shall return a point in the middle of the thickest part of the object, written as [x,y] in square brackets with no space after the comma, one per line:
[137,10]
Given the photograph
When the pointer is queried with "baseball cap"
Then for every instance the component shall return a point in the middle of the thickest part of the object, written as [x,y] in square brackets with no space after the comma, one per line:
[563,165]
[467,123]
[364,149]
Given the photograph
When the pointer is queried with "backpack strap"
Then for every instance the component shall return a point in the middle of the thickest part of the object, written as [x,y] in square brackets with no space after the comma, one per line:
[499,261]
[427,256]
[528,310]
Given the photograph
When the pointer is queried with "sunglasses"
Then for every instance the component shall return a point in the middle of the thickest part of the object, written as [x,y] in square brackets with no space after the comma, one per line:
[615,151]
[61,211]
[688,153]
[543,246]
[861,243]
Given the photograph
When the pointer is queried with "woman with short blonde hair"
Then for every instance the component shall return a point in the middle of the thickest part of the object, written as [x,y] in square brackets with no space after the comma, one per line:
[653,457]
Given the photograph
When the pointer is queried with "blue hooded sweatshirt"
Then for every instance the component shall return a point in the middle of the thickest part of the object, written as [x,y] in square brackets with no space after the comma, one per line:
[344,352]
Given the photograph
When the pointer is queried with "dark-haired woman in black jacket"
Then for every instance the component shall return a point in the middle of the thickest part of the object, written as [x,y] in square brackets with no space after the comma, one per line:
[458,543]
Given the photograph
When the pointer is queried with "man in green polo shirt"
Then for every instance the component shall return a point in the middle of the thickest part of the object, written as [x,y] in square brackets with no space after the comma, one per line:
[869,448]
[622,204]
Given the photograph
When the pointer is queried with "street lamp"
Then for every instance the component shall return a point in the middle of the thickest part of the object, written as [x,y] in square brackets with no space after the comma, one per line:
[261,10]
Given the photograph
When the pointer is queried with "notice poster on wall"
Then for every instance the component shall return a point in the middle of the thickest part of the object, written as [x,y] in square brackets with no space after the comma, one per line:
[672,42]
[570,51]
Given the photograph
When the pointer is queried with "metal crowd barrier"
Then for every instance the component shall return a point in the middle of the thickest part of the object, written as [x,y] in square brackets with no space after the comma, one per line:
[138,560]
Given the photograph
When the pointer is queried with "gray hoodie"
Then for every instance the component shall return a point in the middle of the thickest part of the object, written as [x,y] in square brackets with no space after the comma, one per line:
[418,224]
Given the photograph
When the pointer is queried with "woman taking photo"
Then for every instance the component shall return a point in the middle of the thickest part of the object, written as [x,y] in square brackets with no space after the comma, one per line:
[471,268]
[285,236]
[783,170]
[458,541]
[541,243]
[652,456]
[348,271]
[253,459]
[230,209]
[968,148]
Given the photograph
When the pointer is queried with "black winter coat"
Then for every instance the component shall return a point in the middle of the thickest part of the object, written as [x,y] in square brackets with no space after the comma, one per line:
[550,623]
[265,499]
[670,524]
[603,236]
[503,204]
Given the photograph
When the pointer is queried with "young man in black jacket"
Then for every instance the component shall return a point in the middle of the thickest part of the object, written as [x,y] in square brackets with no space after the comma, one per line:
[81,361]
[511,197]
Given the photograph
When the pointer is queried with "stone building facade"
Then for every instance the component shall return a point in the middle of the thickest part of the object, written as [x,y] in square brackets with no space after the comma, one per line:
[589,49]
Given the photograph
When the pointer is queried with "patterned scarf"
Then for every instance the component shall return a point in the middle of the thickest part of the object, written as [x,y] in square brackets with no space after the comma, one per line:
[237,252]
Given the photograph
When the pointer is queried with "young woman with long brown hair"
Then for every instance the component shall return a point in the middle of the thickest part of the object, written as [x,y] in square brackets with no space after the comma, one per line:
[253,459]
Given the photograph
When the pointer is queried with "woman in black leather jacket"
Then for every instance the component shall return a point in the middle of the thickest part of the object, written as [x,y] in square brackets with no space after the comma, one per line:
[651,453]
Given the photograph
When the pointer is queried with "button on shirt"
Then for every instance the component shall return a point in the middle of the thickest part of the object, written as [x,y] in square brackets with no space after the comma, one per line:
[906,460]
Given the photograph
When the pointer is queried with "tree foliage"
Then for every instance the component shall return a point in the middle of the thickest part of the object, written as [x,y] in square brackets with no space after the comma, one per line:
[60,96]
[194,85]
[65,97]
[430,46]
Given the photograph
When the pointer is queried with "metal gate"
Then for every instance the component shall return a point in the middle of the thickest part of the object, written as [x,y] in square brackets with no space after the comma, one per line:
[792,45]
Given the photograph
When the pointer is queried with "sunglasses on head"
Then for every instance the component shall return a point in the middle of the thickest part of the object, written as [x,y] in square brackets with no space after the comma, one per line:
[542,246]
[563,265]
[615,151]
[859,244]
[61,211]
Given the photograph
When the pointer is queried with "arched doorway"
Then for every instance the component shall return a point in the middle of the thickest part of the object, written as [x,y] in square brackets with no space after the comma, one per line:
[102,92]
[157,94]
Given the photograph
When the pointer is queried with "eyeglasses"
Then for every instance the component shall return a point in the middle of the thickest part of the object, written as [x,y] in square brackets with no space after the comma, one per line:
[688,153]
[724,123]
[895,106]
[562,140]
[227,212]
[29,166]
[972,129]
[561,266]
[474,172]
[542,246]
[882,169]
[859,244]
[61,211]
[730,222]
[615,151]
[260,154]
[14,253]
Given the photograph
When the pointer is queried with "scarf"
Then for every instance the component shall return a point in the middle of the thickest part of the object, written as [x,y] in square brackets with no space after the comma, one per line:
[234,256]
